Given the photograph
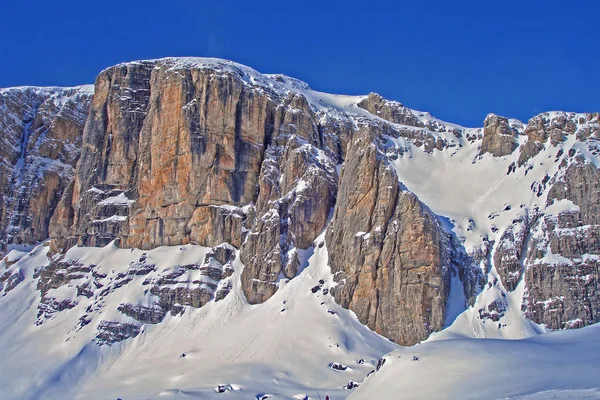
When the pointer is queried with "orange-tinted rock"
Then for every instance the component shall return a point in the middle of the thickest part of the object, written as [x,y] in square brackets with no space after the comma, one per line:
[386,249]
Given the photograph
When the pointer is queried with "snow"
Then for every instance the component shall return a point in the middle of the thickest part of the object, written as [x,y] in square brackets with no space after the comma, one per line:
[444,180]
[256,348]
[284,347]
[456,303]
[94,189]
[229,207]
[363,235]
[16,252]
[301,186]
[560,365]
[514,325]
[553,259]
[113,218]
[120,199]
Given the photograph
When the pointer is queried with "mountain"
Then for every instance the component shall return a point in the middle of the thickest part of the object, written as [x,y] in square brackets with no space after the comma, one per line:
[219,222]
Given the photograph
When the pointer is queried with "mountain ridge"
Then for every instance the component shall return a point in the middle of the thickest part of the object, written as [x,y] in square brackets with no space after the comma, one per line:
[428,226]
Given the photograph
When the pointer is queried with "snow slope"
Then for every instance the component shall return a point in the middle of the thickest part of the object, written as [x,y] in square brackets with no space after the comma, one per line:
[282,347]
[462,186]
[559,365]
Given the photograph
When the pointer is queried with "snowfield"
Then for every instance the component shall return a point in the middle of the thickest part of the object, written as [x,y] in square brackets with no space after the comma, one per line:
[284,348]
[559,365]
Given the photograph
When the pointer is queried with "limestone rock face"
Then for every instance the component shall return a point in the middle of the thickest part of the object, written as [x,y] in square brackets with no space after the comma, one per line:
[391,259]
[176,152]
[512,249]
[40,132]
[179,151]
[212,225]
[296,194]
[581,185]
[202,144]
[407,119]
[507,261]
[555,128]
[109,154]
[390,110]
[499,138]
[562,293]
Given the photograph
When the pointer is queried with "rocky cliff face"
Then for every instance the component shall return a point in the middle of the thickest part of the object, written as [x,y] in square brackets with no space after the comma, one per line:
[41,130]
[563,260]
[181,151]
[387,250]
[499,137]
[208,152]
[177,151]
[554,247]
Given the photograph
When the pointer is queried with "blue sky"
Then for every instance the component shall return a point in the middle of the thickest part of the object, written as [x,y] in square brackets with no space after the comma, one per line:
[457,59]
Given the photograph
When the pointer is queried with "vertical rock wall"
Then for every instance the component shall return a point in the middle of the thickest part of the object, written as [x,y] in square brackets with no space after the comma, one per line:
[41,131]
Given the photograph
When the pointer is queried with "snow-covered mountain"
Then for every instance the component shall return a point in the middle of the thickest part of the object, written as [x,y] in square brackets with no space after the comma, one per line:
[230,231]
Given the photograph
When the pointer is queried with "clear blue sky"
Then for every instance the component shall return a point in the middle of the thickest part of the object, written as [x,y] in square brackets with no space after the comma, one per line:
[457,59]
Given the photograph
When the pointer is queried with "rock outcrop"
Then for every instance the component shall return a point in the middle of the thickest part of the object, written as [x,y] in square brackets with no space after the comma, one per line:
[499,138]
[390,257]
[390,110]
[554,128]
[179,151]
[40,130]
[420,128]
[564,257]
[195,284]
[143,314]
[110,332]
[510,251]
